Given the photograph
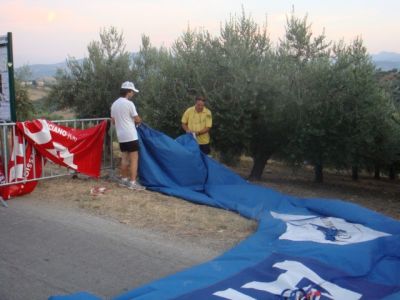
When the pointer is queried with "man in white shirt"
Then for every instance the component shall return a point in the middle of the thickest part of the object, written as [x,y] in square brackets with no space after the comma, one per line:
[125,118]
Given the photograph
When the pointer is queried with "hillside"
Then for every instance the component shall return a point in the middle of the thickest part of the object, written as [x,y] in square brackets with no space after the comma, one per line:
[386,60]
[45,70]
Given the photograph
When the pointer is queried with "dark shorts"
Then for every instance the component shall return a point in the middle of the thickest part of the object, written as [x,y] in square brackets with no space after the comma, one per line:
[205,148]
[131,146]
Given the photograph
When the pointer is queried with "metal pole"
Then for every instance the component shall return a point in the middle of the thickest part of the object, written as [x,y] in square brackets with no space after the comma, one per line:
[5,151]
[10,65]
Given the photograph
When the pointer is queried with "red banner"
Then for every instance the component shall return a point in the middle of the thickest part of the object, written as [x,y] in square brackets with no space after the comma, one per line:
[76,149]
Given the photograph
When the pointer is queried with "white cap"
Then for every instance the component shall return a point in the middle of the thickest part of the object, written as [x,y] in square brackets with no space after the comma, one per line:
[127,85]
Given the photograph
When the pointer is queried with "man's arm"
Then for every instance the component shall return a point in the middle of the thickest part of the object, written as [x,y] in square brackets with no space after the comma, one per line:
[185,121]
[203,131]
[185,127]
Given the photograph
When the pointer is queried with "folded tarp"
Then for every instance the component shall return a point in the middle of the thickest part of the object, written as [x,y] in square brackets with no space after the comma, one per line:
[302,248]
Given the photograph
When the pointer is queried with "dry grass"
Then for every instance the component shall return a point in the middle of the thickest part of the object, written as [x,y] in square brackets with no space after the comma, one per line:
[37,93]
[66,114]
[205,225]
[153,211]
[380,195]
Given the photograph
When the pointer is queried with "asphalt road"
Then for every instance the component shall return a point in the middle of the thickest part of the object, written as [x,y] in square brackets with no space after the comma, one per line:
[46,250]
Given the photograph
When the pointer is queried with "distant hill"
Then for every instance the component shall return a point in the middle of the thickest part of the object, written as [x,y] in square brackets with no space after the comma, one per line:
[42,70]
[386,60]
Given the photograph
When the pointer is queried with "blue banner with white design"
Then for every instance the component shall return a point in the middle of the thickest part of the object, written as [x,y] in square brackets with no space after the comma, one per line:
[302,249]
[281,276]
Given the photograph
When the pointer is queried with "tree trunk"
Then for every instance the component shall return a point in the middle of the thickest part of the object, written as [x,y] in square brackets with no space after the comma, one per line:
[377,172]
[259,162]
[318,172]
[354,172]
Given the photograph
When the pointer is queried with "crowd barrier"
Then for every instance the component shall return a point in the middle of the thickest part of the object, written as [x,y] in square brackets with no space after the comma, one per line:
[49,169]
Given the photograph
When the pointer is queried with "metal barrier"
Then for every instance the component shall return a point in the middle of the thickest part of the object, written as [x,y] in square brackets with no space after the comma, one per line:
[50,169]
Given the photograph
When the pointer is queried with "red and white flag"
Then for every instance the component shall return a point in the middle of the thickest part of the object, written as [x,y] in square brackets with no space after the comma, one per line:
[77,149]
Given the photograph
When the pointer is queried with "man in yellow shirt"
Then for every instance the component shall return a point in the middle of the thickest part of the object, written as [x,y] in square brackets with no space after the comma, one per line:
[198,120]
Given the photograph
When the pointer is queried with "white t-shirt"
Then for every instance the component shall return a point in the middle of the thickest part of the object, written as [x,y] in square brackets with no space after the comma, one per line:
[123,111]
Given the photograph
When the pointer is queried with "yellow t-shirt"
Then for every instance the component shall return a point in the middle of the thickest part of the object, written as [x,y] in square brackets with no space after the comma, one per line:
[197,121]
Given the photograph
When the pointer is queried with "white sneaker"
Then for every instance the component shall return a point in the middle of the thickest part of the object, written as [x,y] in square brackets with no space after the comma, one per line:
[124,181]
[134,185]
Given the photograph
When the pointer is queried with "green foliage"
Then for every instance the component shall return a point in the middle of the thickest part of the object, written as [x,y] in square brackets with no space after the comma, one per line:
[390,82]
[365,110]
[244,63]
[228,70]
[305,100]
[90,86]
[299,44]
[343,118]
[23,106]
[162,93]
[390,141]
[307,69]
[23,73]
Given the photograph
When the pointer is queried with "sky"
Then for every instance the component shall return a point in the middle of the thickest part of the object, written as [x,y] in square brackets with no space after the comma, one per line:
[48,31]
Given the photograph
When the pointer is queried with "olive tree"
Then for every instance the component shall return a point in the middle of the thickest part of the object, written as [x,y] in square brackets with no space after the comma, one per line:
[305,59]
[24,108]
[91,85]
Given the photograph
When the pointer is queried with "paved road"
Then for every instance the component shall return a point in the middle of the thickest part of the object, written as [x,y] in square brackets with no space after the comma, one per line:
[45,250]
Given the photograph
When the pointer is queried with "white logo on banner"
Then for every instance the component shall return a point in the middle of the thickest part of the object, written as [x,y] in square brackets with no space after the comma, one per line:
[327,230]
[289,280]
[17,170]
[58,150]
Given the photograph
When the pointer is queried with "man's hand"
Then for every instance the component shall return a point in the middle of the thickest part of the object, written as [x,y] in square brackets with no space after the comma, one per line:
[137,120]
[203,131]
[186,128]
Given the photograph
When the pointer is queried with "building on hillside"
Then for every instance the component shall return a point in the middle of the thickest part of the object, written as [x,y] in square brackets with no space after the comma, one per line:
[26,83]
[38,83]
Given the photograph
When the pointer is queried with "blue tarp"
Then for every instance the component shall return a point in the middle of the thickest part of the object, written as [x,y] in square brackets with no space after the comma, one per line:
[317,247]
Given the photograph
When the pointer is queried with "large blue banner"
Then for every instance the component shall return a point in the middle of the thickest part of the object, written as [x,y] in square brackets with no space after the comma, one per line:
[302,249]
[280,276]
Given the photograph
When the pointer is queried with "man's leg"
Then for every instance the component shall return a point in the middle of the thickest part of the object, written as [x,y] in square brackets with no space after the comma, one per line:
[124,169]
[134,158]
